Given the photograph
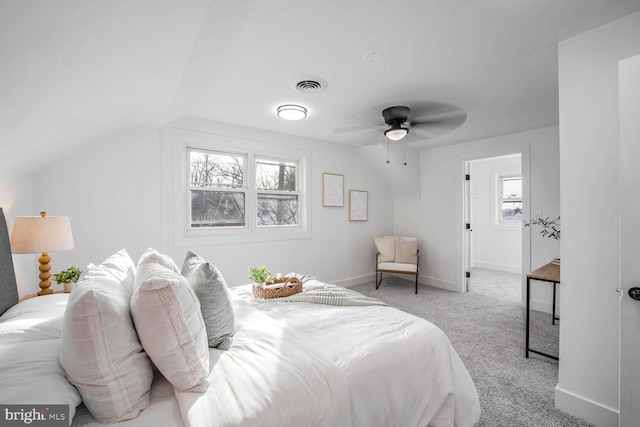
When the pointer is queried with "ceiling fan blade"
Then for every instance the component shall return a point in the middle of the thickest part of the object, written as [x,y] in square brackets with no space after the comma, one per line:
[352,129]
[438,123]
[427,132]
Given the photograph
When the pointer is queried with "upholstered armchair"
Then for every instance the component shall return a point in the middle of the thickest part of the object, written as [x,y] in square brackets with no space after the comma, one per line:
[397,255]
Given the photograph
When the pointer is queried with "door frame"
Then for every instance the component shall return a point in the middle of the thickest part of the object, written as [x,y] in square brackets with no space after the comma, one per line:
[629,311]
[462,204]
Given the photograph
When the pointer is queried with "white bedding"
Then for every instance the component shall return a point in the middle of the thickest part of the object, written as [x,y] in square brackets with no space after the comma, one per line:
[290,364]
[321,365]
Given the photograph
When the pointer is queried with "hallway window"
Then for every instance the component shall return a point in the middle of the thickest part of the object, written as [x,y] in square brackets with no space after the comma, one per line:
[510,199]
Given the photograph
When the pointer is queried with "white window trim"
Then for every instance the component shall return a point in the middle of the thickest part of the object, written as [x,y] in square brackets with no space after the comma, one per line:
[498,223]
[185,236]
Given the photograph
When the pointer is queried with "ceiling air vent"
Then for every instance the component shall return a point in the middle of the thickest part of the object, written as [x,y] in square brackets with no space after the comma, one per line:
[311,85]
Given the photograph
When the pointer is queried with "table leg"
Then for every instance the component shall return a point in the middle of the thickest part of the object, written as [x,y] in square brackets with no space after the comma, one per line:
[553,309]
[526,353]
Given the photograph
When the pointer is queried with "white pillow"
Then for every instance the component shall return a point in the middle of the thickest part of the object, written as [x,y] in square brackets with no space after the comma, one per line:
[387,248]
[121,266]
[215,299]
[166,313]
[407,251]
[101,353]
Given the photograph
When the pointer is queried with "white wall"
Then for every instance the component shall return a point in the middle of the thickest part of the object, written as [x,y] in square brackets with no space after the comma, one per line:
[590,218]
[16,199]
[433,217]
[111,192]
[117,192]
[494,246]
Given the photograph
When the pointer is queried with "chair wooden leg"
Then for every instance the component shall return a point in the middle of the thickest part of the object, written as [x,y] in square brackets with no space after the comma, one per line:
[378,281]
[416,284]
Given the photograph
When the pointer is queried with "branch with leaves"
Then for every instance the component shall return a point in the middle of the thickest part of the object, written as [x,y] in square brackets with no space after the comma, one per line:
[550,227]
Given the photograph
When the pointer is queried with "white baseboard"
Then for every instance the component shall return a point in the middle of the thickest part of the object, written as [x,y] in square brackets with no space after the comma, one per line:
[543,306]
[516,269]
[590,411]
[347,283]
[427,280]
[438,283]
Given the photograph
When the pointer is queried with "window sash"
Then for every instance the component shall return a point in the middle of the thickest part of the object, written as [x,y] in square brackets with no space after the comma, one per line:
[509,200]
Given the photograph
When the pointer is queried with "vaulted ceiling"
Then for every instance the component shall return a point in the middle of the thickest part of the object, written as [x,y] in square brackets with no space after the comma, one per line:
[74,71]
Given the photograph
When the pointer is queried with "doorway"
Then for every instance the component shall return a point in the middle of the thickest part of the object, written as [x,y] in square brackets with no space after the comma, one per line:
[495,199]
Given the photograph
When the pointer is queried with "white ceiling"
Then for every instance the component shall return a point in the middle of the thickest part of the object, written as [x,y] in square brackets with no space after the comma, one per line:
[74,71]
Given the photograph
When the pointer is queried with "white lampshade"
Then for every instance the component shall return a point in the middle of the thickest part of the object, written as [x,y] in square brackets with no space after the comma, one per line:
[35,234]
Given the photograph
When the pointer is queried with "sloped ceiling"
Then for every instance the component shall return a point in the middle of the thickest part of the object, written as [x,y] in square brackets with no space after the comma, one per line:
[74,71]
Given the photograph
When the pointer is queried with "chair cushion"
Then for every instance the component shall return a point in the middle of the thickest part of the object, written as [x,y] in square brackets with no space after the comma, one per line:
[406,251]
[397,266]
[387,247]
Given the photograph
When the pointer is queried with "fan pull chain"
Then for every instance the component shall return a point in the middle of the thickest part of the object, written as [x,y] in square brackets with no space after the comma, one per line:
[405,153]
[388,151]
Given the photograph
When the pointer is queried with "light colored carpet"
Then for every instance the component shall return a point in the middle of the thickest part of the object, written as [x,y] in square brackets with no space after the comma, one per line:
[487,328]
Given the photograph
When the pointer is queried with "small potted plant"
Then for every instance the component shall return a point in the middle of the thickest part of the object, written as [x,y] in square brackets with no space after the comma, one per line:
[67,278]
[259,275]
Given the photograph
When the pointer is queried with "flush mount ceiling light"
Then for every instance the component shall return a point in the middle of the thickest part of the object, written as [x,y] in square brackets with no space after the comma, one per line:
[292,112]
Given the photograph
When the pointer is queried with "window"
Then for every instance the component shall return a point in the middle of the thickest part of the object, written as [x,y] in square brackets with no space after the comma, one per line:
[216,185]
[277,193]
[232,190]
[509,199]
[220,192]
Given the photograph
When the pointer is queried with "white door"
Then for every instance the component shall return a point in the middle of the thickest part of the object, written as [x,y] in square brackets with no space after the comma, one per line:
[629,155]
[467,226]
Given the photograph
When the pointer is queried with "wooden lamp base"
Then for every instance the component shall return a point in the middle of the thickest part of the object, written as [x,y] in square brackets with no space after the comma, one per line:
[45,274]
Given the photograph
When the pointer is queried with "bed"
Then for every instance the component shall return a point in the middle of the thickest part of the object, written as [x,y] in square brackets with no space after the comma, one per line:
[325,357]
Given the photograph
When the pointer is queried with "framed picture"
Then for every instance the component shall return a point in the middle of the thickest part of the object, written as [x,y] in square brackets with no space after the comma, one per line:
[332,189]
[358,205]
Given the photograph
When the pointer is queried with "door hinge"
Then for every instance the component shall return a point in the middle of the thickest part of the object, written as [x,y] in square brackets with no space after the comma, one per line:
[467,274]
[467,177]
[467,226]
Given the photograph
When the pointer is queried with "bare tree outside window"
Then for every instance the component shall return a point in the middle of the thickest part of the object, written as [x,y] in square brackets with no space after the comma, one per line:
[213,179]
[216,170]
[219,192]
[277,198]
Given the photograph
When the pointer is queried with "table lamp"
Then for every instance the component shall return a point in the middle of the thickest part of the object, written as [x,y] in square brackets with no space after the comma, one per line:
[41,234]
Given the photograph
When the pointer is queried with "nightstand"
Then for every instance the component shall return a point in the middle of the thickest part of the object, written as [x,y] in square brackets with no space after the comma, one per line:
[29,296]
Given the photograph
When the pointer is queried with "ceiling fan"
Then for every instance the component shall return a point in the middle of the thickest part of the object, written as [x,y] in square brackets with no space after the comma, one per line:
[426,120]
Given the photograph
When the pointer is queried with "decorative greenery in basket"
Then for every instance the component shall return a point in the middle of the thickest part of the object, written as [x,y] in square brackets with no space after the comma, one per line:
[70,275]
[267,286]
[260,274]
[550,227]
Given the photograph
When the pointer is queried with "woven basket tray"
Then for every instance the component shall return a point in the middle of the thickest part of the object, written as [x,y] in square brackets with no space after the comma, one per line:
[279,288]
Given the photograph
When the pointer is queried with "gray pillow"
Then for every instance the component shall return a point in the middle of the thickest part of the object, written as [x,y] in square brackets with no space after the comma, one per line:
[214,297]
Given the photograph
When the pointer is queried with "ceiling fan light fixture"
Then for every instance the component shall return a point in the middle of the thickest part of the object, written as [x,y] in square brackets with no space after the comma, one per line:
[292,112]
[396,133]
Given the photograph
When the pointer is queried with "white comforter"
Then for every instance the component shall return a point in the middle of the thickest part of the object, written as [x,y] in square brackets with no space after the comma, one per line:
[301,364]
[291,364]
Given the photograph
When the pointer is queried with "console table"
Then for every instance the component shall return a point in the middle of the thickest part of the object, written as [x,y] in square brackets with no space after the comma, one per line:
[549,272]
